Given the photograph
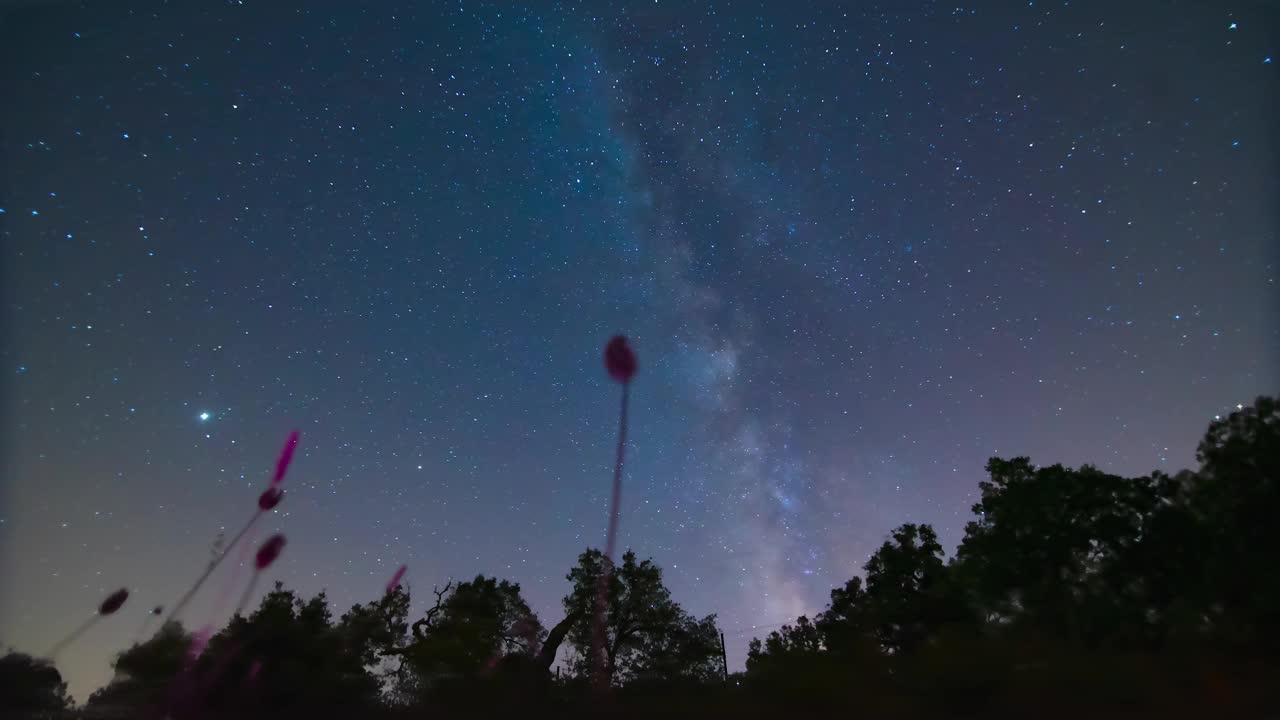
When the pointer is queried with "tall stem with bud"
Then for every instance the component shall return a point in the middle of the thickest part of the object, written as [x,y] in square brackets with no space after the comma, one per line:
[620,362]
[266,502]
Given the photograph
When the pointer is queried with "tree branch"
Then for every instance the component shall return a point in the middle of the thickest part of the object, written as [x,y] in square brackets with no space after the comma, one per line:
[429,619]
[547,655]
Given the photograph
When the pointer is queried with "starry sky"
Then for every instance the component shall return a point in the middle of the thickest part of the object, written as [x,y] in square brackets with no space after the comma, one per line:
[858,247]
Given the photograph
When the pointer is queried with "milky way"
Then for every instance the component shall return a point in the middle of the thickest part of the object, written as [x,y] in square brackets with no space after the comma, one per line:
[858,250]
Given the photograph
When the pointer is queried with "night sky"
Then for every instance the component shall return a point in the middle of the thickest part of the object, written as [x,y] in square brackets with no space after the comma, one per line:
[858,250]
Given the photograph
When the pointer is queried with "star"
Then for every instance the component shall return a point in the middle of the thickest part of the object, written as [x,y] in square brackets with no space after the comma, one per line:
[204,416]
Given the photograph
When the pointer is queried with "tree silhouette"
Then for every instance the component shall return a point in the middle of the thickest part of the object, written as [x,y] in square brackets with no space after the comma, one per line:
[897,610]
[1048,543]
[289,655]
[145,671]
[902,578]
[687,652]
[784,645]
[30,685]
[647,634]
[372,632]
[847,626]
[468,631]
[1073,590]
[1235,499]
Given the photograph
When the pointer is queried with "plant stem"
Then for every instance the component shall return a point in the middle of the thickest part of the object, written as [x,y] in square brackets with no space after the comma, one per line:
[70,638]
[213,565]
[253,581]
[602,592]
[617,475]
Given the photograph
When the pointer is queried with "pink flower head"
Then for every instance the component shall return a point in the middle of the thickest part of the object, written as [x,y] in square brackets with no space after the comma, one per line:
[620,359]
[270,498]
[269,551]
[113,602]
[395,579]
[286,457]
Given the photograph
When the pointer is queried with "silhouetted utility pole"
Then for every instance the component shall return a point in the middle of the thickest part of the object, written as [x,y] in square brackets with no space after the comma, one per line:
[724,659]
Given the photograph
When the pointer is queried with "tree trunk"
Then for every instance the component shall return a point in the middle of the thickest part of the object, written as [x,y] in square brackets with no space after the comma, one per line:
[547,655]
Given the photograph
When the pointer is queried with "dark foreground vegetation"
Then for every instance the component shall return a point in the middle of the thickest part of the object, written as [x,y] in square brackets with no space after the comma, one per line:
[1074,593]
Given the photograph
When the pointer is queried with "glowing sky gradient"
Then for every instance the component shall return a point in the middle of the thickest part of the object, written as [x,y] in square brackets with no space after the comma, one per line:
[858,250]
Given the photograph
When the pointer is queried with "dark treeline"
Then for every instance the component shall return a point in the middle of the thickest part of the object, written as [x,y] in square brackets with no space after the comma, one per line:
[1073,592]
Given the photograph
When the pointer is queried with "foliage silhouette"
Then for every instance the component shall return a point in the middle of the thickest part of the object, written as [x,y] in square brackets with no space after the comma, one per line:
[470,629]
[1072,589]
[30,685]
[289,656]
[1073,592]
[647,634]
[144,672]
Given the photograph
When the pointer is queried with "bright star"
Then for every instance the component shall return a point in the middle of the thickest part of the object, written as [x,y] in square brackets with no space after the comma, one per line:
[204,416]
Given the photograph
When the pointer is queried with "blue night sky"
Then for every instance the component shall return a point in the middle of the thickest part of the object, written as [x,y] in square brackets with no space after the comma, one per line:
[858,249]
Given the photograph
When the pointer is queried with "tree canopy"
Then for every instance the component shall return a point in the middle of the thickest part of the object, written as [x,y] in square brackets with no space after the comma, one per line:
[31,685]
[471,627]
[1073,577]
[145,671]
[647,634]
[1071,590]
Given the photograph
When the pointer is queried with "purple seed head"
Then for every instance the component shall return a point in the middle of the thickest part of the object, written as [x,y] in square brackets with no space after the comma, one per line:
[270,498]
[395,579]
[286,457]
[113,602]
[269,551]
[620,359]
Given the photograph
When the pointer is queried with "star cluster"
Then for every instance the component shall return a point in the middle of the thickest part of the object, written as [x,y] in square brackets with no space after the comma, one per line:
[859,248]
